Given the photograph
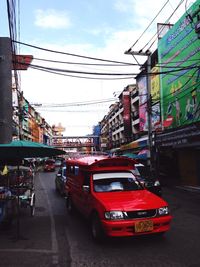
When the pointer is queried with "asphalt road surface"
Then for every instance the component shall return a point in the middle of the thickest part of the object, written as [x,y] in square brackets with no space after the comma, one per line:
[52,238]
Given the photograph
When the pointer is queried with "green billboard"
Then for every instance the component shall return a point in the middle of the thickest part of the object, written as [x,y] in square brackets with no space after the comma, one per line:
[179,61]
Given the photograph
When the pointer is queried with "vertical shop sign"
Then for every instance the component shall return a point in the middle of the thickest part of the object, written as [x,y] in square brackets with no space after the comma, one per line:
[155,96]
[126,114]
[143,116]
[155,85]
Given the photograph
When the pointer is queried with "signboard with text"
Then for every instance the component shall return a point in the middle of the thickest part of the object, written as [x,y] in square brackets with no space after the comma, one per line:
[142,89]
[126,114]
[179,55]
[155,85]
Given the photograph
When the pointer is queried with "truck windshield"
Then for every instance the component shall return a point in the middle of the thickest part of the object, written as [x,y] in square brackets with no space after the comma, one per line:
[115,181]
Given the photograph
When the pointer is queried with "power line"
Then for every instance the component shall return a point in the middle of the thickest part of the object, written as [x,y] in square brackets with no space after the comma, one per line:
[81,77]
[71,54]
[114,74]
[71,111]
[148,26]
[82,72]
[155,35]
[179,94]
[87,64]
[91,102]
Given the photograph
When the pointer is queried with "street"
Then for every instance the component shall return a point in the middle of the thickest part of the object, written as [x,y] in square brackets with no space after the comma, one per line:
[53,238]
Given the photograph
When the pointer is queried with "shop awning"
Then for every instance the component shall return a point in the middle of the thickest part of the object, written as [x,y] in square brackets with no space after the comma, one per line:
[130,155]
[142,154]
[139,143]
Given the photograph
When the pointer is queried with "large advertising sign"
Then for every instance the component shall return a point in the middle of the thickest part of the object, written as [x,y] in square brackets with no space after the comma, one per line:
[142,89]
[126,114]
[179,58]
[143,116]
[155,96]
[155,85]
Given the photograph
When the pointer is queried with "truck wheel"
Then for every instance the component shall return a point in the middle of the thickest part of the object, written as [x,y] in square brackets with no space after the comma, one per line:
[96,229]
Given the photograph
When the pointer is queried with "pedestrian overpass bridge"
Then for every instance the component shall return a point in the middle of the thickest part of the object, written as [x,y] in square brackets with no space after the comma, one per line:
[74,141]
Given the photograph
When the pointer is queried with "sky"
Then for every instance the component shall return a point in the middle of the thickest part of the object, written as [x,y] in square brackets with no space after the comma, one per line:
[102,29]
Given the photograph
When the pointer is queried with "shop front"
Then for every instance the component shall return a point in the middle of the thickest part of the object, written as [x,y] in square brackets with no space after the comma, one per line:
[179,154]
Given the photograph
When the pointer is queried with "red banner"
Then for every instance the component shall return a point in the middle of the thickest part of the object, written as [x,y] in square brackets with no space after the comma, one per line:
[21,62]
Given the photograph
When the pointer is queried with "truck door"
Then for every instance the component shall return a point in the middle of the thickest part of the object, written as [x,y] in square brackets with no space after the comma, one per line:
[86,199]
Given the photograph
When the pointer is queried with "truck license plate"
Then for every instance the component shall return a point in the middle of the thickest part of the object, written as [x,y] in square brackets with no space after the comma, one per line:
[143,226]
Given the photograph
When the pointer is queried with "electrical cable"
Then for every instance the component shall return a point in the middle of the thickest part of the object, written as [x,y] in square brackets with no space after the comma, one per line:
[94,64]
[91,102]
[70,111]
[169,96]
[87,64]
[166,22]
[12,31]
[81,77]
[181,68]
[71,54]
[81,72]
[148,26]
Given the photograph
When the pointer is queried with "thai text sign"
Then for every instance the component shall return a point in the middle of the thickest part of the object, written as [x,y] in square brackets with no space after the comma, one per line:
[179,55]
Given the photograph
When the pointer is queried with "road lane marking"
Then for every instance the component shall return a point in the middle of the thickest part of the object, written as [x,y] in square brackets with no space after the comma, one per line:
[45,251]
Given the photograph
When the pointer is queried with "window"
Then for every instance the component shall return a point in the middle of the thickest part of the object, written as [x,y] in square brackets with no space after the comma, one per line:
[115,181]
[73,170]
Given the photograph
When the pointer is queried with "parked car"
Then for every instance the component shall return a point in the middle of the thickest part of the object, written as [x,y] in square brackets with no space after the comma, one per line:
[60,181]
[49,165]
[107,193]
[152,184]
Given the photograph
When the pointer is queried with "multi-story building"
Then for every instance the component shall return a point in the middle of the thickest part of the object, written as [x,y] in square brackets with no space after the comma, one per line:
[28,123]
[121,125]
[104,134]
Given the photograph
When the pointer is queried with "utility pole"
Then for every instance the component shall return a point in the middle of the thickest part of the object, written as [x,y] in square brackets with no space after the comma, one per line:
[21,114]
[149,108]
[149,111]
[5,90]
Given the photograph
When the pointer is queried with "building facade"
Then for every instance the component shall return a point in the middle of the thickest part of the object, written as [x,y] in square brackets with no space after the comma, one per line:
[28,123]
[174,107]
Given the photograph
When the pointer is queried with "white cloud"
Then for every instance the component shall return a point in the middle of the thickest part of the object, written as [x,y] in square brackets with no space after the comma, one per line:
[53,19]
